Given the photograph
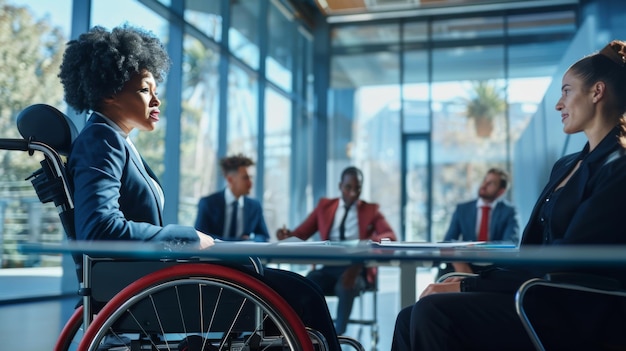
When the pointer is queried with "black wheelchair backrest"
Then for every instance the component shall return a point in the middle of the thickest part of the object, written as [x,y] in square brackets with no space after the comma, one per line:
[46,124]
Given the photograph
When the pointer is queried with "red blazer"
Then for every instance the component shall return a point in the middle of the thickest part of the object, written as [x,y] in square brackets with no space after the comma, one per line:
[372,224]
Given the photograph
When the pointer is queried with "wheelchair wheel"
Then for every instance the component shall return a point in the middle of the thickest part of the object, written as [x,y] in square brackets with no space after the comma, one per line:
[72,332]
[171,308]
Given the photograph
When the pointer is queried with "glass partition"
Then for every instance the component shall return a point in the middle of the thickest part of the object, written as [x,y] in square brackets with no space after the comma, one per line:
[199,127]
[279,63]
[277,151]
[34,34]
[470,126]
[243,35]
[206,16]
[242,123]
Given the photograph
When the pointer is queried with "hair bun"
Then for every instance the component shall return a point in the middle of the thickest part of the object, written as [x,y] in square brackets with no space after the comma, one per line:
[616,51]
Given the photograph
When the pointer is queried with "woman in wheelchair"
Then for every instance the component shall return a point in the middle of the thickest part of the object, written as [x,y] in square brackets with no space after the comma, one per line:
[114,75]
[581,204]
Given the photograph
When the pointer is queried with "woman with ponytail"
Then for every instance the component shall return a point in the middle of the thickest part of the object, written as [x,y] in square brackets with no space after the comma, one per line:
[582,204]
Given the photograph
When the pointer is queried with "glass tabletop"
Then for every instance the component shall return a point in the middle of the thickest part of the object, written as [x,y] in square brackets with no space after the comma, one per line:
[351,252]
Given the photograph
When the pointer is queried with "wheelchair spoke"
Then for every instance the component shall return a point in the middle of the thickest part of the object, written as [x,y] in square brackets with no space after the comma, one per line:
[158,318]
[217,302]
[180,311]
[171,308]
[143,331]
[232,325]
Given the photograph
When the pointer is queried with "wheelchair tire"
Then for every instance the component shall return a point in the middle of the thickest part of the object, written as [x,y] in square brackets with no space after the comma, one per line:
[153,288]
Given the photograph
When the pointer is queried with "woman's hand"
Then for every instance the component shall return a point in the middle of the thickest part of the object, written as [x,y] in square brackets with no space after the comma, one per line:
[205,240]
[450,285]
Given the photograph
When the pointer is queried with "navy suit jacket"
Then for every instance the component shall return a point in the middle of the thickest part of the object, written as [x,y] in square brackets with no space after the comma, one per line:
[503,225]
[114,193]
[211,214]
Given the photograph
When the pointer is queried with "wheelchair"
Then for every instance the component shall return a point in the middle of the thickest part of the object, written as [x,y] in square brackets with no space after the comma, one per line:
[134,304]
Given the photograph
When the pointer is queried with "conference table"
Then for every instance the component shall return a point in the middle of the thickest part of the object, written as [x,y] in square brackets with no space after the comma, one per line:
[407,256]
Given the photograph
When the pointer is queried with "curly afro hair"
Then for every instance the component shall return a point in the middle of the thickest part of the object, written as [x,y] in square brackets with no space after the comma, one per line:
[99,63]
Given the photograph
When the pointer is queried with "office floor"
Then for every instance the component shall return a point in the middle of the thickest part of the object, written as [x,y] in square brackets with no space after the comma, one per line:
[34,325]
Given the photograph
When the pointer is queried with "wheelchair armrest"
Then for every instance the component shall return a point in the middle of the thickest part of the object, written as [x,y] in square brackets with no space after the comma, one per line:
[583,279]
[455,274]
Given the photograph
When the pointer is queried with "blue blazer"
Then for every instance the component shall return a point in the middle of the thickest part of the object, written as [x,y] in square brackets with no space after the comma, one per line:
[114,193]
[503,225]
[211,214]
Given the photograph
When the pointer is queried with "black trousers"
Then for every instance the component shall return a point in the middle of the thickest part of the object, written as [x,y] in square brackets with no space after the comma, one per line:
[488,321]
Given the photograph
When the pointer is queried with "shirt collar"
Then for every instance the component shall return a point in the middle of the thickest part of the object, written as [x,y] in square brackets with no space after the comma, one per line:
[603,149]
[343,204]
[230,197]
[481,203]
[112,124]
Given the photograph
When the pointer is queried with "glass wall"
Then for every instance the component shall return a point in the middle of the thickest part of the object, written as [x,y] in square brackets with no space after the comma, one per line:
[199,125]
[242,122]
[277,157]
[243,35]
[32,40]
[227,102]
[242,82]
[426,106]
[469,126]
[415,128]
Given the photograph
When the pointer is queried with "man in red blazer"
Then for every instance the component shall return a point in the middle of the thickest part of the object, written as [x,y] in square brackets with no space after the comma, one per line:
[339,219]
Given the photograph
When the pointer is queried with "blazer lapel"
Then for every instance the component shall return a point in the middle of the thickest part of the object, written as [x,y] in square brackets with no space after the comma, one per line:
[496,213]
[151,181]
[143,168]
[247,220]
[363,219]
[329,217]
[221,212]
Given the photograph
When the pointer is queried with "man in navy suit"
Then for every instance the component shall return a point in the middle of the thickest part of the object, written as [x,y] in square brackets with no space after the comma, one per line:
[501,221]
[229,214]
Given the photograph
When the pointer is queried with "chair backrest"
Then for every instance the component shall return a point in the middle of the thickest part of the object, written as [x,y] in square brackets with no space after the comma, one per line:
[46,124]
[48,130]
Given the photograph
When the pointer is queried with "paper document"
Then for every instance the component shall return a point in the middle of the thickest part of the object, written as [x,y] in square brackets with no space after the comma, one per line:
[293,240]
[423,244]
[441,245]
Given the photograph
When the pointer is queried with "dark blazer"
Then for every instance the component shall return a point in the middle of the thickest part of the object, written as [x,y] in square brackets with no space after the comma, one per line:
[589,210]
[503,225]
[372,224]
[114,194]
[211,213]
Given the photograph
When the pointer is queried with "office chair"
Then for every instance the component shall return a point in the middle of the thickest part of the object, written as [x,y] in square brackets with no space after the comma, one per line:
[568,282]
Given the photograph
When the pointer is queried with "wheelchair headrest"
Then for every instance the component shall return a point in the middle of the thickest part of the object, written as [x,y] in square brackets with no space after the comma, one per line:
[46,124]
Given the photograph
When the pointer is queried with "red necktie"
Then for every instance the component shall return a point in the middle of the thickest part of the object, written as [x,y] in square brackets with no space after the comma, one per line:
[483,233]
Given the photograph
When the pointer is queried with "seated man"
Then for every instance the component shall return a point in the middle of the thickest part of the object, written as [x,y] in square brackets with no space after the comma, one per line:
[229,214]
[339,219]
[490,217]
